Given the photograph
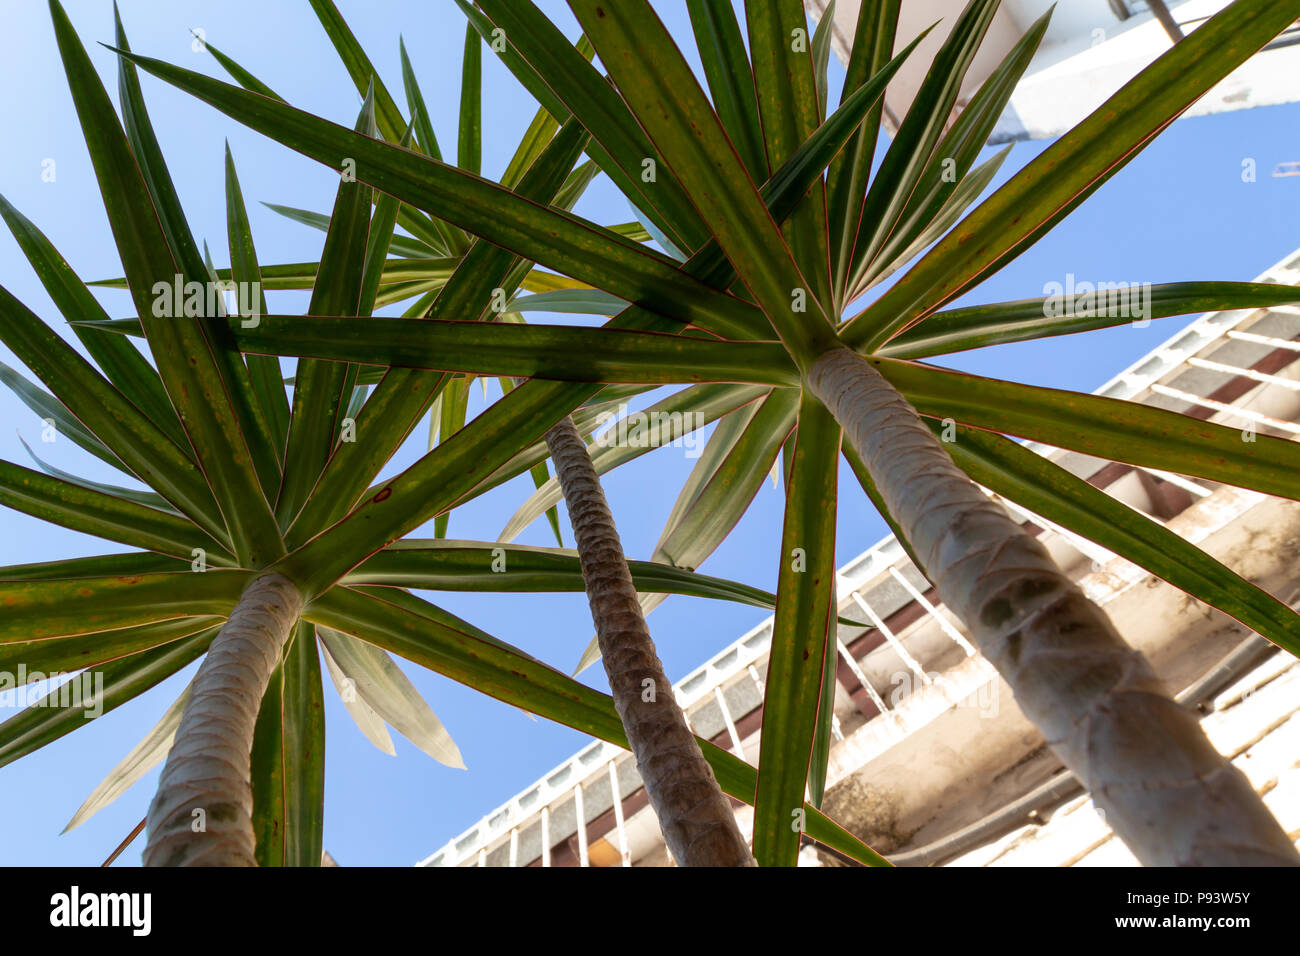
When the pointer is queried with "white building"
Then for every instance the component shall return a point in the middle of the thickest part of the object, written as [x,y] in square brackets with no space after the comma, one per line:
[1090,50]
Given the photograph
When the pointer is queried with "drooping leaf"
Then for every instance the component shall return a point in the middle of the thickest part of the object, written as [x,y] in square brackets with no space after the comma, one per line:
[367,721]
[423,634]
[144,756]
[628,437]
[386,690]
[147,498]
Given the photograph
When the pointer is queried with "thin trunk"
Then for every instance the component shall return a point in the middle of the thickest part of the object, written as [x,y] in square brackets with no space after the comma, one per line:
[698,823]
[1171,797]
[202,812]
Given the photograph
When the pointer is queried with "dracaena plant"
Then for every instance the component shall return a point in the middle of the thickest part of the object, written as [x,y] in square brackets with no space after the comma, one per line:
[759,307]
[261,533]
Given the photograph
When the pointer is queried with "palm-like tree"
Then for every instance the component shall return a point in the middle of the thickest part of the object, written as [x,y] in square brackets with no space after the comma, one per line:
[247,480]
[757,265]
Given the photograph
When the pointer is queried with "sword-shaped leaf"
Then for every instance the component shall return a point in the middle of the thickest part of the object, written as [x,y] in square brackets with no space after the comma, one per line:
[444,565]
[387,115]
[849,175]
[1107,428]
[953,157]
[404,395]
[122,365]
[556,239]
[911,152]
[229,364]
[731,80]
[322,389]
[265,376]
[104,412]
[51,410]
[401,245]
[561,79]
[631,436]
[288,759]
[36,610]
[124,564]
[560,352]
[63,655]
[189,370]
[147,498]
[112,685]
[93,512]
[977,326]
[805,619]
[786,88]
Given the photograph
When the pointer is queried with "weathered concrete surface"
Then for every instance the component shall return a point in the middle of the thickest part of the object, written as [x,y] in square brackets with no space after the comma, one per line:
[971,760]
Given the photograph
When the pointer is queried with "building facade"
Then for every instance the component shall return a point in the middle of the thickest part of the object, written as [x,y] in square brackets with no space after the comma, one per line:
[1090,50]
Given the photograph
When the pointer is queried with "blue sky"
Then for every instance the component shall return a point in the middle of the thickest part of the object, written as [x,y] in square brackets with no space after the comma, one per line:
[1180,211]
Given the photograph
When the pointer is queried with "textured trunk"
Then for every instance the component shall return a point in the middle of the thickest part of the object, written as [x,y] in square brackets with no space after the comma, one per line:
[202,812]
[1171,797]
[698,823]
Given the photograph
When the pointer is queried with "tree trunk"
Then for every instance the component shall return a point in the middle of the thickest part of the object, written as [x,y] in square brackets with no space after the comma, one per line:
[1166,792]
[698,823]
[202,812]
